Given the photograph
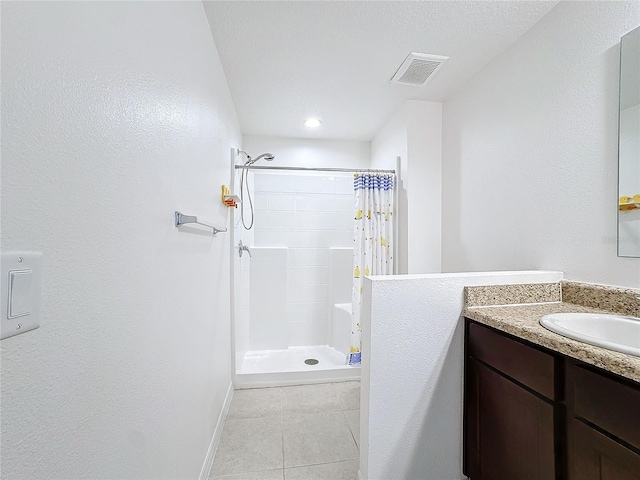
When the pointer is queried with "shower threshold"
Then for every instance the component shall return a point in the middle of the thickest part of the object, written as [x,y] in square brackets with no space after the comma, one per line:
[294,366]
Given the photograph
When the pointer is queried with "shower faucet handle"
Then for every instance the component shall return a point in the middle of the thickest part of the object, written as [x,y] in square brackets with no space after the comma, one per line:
[243,248]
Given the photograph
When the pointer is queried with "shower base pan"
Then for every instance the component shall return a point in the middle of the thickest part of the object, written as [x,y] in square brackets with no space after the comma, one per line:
[294,366]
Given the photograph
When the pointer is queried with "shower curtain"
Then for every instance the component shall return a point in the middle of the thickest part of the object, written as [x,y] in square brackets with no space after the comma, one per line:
[373,242]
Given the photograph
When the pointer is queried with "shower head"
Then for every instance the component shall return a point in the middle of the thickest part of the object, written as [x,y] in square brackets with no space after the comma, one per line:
[267,156]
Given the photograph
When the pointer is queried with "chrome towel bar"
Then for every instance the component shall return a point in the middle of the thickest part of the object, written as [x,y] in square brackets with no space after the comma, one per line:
[181,219]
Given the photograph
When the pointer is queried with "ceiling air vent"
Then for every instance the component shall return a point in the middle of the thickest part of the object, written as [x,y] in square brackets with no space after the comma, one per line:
[418,68]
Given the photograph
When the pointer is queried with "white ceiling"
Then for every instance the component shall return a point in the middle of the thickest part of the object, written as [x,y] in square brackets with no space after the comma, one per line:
[286,61]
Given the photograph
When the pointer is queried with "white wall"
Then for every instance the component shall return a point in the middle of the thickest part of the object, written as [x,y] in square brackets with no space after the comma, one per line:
[414,133]
[424,158]
[389,143]
[114,115]
[412,372]
[307,152]
[530,152]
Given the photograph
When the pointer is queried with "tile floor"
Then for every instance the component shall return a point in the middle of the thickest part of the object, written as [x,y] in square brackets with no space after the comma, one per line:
[308,432]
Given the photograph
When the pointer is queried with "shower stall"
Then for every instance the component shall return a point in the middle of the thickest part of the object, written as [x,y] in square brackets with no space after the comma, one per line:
[292,274]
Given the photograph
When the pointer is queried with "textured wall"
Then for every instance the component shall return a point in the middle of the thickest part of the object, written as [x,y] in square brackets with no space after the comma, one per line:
[412,367]
[414,133]
[114,114]
[424,196]
[530,152]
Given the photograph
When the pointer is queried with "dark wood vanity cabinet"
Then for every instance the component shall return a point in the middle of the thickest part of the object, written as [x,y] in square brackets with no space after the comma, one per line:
[530,413]
[509,408]
[595,456]
[511,430]
[603,426]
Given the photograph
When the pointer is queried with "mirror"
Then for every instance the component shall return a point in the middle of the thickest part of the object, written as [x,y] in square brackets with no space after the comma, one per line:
[629,147]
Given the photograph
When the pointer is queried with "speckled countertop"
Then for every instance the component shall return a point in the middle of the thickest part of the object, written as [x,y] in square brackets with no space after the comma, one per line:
[523,321]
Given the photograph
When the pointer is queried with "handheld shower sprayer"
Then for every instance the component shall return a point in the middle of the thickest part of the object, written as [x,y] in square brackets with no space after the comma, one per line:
[267,156]
[244,183]
[250,161]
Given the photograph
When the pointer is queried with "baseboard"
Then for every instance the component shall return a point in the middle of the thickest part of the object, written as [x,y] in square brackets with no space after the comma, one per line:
[217,433]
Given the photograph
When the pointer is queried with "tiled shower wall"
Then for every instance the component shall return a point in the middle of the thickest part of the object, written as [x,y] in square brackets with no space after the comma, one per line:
[308,215]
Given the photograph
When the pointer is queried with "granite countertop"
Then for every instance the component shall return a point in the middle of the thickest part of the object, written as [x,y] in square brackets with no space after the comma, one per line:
[523,321]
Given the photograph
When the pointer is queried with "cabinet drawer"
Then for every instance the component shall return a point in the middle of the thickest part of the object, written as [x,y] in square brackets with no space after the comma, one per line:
[604,401]
[525,364]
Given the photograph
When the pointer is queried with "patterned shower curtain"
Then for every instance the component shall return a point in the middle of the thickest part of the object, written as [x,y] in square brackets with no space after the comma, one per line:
[373,242]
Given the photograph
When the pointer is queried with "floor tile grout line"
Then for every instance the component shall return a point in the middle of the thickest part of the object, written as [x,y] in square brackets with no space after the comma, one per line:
[339,406]
[289,414]
[272,417]
[282,426]
[351,432]
[228,475]
[325,463]
[222,477]
[355,459]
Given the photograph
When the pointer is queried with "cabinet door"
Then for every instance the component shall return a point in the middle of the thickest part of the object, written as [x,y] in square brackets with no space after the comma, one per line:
[509,431]
[594,456]
[612,404]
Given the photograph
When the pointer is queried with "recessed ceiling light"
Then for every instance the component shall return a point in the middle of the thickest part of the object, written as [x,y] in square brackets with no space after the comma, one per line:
[312,122]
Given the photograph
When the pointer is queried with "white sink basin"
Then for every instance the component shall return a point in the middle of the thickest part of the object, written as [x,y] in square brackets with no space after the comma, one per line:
[614,332]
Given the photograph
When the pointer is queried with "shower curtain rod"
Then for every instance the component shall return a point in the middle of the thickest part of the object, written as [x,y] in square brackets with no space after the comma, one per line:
[314,169]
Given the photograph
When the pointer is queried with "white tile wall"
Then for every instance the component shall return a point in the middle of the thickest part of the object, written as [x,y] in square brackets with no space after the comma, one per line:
[268,311]
[308,275]
[308,294]
[311,312]
[308,214]
[260,201]
[261,183]
[307,333]
[308,256]
[340,270]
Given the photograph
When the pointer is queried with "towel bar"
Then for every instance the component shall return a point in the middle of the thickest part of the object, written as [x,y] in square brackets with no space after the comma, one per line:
[181,219]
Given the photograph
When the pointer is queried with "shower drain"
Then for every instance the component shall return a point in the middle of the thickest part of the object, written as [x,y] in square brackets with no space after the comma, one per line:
[311,361]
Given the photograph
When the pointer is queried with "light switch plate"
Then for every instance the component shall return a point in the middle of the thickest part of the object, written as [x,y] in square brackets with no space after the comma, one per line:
[20,291]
